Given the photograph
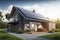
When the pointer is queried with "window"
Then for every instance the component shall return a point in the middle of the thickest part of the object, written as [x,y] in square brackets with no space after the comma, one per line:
[16,17]
[32,25]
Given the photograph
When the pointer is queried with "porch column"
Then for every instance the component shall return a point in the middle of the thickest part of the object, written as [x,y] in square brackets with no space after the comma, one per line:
[30,25]
[35,27]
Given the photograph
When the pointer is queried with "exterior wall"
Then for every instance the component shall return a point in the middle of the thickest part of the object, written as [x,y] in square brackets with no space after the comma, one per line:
[51,26]
[22,23]
[19,24]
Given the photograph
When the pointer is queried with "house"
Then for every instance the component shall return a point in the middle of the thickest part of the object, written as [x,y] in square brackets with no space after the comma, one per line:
[28,21]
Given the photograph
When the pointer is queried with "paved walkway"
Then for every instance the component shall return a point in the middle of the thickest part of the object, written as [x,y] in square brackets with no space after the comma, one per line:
[30,36]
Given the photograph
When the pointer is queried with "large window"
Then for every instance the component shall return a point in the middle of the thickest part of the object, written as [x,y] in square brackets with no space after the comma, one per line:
[16,17]
[32,25]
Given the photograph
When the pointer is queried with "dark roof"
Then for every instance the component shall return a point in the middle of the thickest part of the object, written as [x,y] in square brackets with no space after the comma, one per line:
[31,14]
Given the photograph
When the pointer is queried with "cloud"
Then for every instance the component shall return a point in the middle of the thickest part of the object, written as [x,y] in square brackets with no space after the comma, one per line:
[1,10]
[51,11]
[8,10]
[34,7]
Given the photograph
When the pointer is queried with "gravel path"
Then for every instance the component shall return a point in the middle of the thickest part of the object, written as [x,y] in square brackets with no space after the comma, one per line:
[29,36]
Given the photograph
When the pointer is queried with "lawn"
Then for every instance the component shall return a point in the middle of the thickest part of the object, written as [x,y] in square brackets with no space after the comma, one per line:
[6,36]
[55,36]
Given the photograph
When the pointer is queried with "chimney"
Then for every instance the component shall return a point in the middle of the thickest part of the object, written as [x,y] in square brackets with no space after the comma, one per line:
[33,10]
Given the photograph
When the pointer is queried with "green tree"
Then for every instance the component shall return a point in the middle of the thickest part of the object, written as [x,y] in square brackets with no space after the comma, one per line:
[7,16]
[57,23]
[1,16]
[3,24]
[3,19]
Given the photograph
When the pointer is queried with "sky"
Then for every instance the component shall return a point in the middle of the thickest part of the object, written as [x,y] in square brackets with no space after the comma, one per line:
[47,8]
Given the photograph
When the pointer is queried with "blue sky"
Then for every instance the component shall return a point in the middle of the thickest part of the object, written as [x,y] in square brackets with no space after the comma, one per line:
[47,8]
[5,3]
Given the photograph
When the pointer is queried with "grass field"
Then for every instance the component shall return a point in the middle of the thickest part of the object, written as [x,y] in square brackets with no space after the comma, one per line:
[55,36]
[6,36]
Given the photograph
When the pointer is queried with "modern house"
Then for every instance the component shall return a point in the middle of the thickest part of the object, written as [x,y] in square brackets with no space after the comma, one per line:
[28,21]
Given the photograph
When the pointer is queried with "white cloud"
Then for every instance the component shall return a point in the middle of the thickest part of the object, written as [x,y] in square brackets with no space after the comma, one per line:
[8,10]
[27,7]
[1,10]
[48,10]
[51,11]
[34,7]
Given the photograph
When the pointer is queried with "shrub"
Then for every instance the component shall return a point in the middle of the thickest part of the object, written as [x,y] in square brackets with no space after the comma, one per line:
[12,30]
[3,25]
[54,30]
[56,37]
[2,32]
[57,30]
[20,31]
[32,29]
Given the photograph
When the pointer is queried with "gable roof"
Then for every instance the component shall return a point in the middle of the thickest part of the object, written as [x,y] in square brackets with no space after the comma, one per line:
[30,15]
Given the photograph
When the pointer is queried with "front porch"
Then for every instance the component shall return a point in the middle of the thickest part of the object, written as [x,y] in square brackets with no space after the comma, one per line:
[36,27]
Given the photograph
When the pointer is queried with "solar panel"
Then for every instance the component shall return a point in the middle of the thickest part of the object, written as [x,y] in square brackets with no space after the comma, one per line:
[32,14]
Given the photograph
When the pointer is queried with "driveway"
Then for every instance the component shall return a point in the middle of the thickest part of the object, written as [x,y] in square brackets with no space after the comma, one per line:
[30,36]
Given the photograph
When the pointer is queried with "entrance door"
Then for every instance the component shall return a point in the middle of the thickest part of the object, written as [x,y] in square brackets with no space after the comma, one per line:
[9,27]
[13,28]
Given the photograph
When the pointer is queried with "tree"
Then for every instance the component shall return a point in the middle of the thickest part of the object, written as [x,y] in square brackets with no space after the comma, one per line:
[57,23]
[1,16]
[3,19]
[7,16]
[2,24]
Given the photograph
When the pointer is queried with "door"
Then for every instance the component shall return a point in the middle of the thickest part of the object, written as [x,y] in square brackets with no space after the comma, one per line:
[9,27]
[13,28]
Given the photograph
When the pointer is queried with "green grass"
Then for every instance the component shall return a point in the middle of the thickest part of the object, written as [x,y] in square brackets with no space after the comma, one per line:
[2,29]
[6,36]
[55,36]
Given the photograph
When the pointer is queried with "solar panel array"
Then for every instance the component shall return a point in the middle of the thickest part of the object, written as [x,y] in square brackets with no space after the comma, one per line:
[31,14]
